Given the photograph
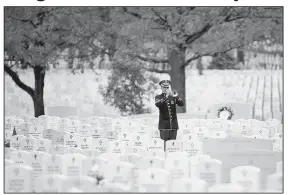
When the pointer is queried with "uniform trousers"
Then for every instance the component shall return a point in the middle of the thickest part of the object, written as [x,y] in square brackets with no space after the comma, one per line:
[168,135]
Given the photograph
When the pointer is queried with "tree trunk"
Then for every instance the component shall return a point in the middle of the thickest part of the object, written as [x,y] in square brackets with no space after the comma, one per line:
[38,96]
[200,66]
[176,59]
[240,55]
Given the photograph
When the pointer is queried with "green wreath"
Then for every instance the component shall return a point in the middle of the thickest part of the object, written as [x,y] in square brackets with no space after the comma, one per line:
[228,109]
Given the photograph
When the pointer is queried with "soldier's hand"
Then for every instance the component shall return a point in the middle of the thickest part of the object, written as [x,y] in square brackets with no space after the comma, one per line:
[170,93]
[175,94]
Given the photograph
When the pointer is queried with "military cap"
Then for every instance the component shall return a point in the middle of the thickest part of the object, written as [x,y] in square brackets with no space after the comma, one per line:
[165,83]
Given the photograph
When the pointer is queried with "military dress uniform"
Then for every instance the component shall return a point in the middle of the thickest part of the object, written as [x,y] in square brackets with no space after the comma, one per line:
[168,123]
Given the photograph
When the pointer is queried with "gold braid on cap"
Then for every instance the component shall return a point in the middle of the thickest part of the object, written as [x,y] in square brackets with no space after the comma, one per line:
[226,108]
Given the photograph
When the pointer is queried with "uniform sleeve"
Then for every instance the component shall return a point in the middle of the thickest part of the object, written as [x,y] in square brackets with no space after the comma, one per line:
[179,101]
[159,101]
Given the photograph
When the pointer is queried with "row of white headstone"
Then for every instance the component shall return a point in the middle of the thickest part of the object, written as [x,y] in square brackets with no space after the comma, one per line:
[96,125]
[188,140]
[61,130]
[40,172]
[110,148]
[140,144]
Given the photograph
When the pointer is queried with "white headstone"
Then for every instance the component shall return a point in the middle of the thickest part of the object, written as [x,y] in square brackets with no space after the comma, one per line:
[156,153]
[42,120]
[154,133]
[51,183]
[72,140]
[124,136]
[63,124]
[144,129]
[246,176]
[33,120]
[58,137]
[52,123]
[111,135]
[53,164]
[177,164]
[90,162]
[83,183]
[85,142]
[129,125]
[57,149]
[217,134]
[97,132]
[27,144]
[201,132]
[18,179]
[263,132]
[137,150]
[275,182]
[154,180]
[117,125]
[72,164]
[193,147]
[209,170]
[155,144]
[151,162]
[47,134]
[173,146]
[91,152]
[9,124]
[84,130]
[105,123]
[188,137]
[36,162]
[119,172]
[43,145]
[87,166]
[100,144]
[15,141]
[137,139]
[72,126]
[26,118]
[25,128]
[117,147]
[35,131]
[130,158]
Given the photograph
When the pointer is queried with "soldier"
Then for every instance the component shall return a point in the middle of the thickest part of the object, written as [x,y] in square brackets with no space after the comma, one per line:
[166,102]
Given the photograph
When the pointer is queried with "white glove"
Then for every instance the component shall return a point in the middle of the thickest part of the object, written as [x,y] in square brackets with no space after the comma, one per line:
[175,94]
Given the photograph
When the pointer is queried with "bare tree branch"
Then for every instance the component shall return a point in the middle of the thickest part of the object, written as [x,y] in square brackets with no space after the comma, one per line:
[149,59]
[157,70]
[191,38]
[17,80]
[162,21]
[229,18]
[24,21]
[195,57]
[132,13]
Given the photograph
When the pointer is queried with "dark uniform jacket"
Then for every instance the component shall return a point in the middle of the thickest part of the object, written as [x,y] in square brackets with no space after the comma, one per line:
[167,111]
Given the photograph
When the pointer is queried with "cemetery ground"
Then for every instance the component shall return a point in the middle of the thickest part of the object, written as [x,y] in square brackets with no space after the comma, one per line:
[70,154]
[262,89]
